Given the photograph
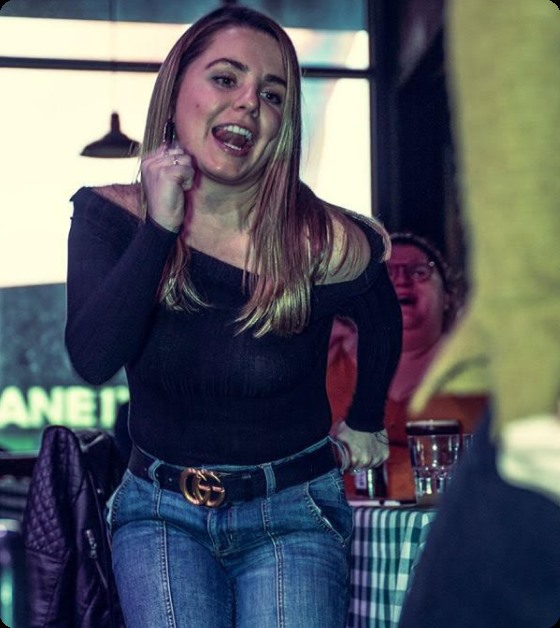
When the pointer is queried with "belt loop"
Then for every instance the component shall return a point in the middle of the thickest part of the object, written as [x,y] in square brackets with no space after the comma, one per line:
[152,470]
[270,479]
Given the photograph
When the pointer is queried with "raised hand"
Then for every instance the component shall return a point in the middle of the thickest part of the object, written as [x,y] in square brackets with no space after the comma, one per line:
[166,175]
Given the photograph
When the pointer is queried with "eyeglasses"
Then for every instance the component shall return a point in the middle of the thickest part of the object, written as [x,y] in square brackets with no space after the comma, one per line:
[416,272]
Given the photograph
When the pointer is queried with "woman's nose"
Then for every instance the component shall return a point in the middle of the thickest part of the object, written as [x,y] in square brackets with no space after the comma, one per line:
[248,99]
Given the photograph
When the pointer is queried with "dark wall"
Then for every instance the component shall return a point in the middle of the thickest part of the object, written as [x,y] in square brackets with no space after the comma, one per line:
[427,201]
[424,136]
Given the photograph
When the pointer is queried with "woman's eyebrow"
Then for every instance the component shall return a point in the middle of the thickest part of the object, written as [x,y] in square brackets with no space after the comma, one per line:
[269,78]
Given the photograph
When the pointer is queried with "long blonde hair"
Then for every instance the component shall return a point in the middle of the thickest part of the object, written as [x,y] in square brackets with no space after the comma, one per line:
[291,231]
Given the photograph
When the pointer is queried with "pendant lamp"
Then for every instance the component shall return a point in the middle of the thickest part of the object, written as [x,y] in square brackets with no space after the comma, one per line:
[114,144]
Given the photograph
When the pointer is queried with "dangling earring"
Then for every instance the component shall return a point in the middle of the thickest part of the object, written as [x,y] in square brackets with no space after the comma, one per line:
[169,133]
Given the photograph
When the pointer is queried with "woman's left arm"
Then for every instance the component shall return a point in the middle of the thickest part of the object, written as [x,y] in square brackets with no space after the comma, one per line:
[377,315]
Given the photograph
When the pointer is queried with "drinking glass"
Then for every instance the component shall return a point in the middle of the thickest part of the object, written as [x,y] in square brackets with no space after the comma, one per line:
[434,446]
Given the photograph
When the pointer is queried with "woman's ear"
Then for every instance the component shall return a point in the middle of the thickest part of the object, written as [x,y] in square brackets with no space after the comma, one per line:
[169,132]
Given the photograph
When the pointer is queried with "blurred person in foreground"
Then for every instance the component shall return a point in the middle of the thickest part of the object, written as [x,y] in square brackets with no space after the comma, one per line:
[214,282]
[492,557]
[430,296]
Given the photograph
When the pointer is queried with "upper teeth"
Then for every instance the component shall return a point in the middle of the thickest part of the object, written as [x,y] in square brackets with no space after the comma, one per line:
[233,128]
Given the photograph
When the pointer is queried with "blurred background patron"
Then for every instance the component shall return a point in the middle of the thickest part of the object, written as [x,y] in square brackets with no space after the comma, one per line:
[430,294]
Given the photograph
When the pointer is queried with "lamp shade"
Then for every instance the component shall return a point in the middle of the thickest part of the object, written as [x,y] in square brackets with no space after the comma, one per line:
[115,144]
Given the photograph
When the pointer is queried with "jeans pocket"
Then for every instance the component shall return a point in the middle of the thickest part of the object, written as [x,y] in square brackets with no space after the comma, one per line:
[326,498]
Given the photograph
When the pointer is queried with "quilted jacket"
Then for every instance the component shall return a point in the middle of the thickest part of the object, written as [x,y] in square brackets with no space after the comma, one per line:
[70,581]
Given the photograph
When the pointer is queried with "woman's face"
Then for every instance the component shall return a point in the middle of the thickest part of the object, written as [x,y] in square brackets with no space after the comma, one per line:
[229,106]
[421,295]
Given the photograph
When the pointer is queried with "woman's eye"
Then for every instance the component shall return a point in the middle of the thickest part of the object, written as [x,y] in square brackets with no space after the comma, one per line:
[419,272]
[224,81]
[272,97]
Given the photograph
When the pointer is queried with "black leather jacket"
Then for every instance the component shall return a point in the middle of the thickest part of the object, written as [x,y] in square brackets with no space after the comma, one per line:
[70,580]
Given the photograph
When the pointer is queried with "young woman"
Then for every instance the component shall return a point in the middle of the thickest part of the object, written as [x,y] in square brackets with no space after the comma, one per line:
[215,282]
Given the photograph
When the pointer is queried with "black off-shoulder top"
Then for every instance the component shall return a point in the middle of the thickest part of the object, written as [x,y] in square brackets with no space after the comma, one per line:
[200,393]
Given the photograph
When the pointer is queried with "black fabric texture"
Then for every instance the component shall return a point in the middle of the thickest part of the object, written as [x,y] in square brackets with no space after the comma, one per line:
[200,393]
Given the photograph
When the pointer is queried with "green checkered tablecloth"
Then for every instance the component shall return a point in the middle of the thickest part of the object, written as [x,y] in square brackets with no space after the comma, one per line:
[386,546]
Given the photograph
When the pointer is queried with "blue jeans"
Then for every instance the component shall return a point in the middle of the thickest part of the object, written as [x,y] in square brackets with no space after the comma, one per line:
[281,561]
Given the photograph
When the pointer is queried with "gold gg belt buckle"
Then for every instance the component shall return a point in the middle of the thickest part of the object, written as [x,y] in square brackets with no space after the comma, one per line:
[201,487]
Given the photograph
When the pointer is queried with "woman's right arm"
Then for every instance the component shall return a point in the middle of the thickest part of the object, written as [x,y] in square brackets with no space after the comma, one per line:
[114,271]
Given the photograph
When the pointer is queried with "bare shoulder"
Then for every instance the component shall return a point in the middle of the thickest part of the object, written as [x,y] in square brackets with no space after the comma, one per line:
[125,196]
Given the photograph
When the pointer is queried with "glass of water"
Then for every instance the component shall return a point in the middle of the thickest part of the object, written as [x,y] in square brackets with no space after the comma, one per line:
[434,446]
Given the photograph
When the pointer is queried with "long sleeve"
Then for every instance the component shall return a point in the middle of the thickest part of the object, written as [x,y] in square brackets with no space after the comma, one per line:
[115,264]
[371,303]
[377,316]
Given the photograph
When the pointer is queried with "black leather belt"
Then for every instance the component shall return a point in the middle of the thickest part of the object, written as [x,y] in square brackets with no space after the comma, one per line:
[204,487]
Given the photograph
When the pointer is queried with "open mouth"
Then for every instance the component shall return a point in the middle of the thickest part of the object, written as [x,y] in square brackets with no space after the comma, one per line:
[234,137]
[406,299]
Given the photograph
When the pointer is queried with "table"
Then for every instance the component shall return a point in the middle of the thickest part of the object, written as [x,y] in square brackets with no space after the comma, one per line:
[386,546]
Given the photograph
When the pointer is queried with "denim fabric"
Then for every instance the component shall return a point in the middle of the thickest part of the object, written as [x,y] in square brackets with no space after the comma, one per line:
[281,561]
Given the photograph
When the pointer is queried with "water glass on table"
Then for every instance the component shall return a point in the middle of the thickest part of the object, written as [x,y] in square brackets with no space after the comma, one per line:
[435,446]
